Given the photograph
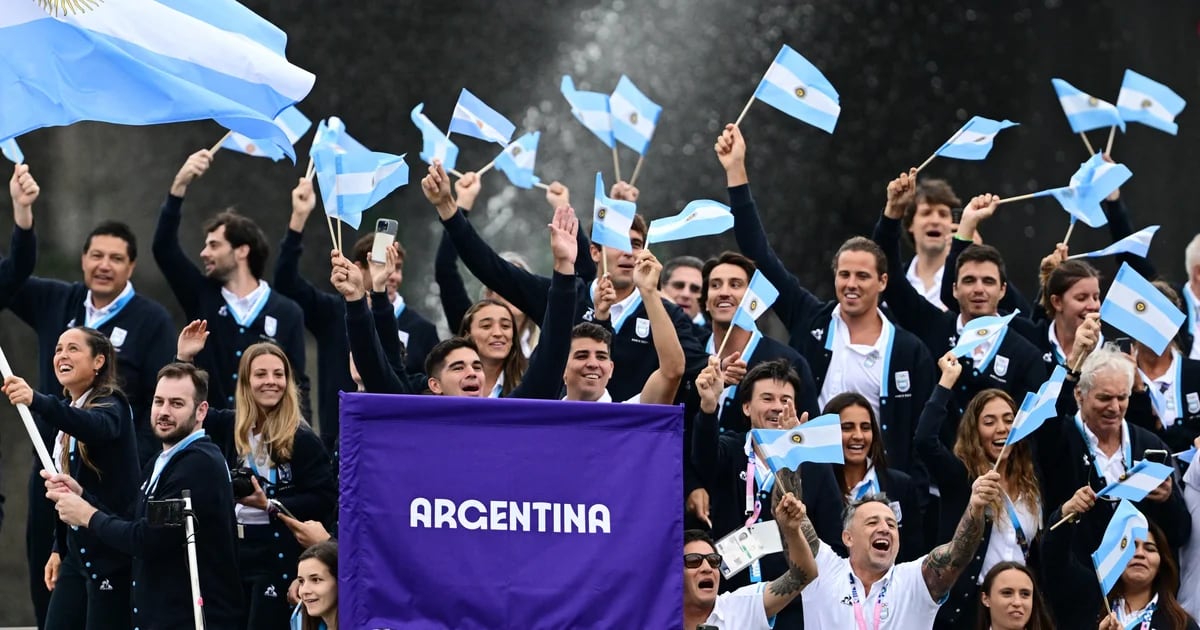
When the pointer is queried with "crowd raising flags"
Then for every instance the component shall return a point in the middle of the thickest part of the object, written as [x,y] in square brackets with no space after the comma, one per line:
[627,117]
[703,217]
[435,144]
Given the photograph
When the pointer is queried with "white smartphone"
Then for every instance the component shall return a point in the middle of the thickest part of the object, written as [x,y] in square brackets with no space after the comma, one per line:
[385,235]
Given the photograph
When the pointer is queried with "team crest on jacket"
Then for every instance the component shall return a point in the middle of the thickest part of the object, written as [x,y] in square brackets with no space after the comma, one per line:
[817,333]
[1001,365]
[902,382]
[223,311]
[589,315]
[643,327]
[1047,357]
[285,473]
[270,326]
[953,340]
[118,336]
[1193,402]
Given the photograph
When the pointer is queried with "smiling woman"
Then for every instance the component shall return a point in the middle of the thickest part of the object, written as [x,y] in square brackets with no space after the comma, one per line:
[318,589]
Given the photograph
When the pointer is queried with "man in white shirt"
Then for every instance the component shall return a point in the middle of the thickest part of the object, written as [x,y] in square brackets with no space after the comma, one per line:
[869,590]
[750,607]
[928,227]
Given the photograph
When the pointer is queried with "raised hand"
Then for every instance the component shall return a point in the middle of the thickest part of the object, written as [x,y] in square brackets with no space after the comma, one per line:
[950,368]
[381,271]
[1083,500]
[1087,335]
[558,195]
[467,188]
[900,192]
[646,273]
[789,512]
[710,384]
[622,190]
[195,166]
[191,340]
[985,491]
[1051,262]
[606,296]
[436,186]
[563,244]
[345,277]
[18,391]
[303,202]
[697,503]
[979,209]
[24,190]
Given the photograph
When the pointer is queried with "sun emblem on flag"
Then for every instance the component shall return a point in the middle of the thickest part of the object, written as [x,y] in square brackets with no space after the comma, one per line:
[601,212]
[63,7]
[250,148]
[1139,306]
[800,92]
[633,118]
[1124,542]
[983,332]
[516,150]
[1093,101]
[479,123]
[753,305]
[797,438]
[1146,103]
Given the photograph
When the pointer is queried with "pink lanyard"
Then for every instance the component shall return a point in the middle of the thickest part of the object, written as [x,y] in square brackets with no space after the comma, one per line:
[753,505]
[860,618]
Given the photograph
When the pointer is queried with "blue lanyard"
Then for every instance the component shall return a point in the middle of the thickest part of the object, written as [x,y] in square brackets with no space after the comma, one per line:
[1126,456]
[398,308]
[1142,620]
[1022,540]
[860,617]
[153,483]
[113,310]
[869,485]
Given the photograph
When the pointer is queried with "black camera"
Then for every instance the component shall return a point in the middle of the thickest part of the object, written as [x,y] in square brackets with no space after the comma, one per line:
[240,479]
[168,513]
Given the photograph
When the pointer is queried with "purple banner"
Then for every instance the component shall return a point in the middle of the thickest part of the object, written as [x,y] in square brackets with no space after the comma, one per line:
[505,513]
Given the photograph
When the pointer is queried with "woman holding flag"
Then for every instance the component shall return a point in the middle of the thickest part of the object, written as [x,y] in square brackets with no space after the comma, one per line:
[978,446]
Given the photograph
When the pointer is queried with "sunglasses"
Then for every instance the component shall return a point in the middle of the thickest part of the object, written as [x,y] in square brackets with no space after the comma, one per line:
[680,285]
[693,560]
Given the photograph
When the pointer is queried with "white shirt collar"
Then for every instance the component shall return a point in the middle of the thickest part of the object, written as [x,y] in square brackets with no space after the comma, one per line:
[605,397]
[92,313]
[243,305]
[933,294]
[843,331]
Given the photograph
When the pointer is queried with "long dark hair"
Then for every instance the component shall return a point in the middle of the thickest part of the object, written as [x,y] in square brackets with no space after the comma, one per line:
[515,362]
[1165,584]
[105,385]
[327,554]
[878,458]
[1039,617]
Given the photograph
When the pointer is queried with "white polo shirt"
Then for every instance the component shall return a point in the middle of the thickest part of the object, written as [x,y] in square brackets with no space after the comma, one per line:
[741,610]
[932,294]
[1193,306]
[828,600]
[856,367]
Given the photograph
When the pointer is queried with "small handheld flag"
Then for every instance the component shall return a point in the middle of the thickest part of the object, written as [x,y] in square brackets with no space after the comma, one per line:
[1186,456]
[1127,526]
[353,182]
[758,298]
[472,117]
[11,151]
[794,86]
[435,145]
[981,330]
[291,121]
[331,134]
[612,220]
[1037,407]
[1137,244]
[1090,184]
[819,440]
[975,139]
[517,160]
[591,109]
[1143,100]
[703,217]
[634,117]
[1140,310]
[1140,481]
[1084,111]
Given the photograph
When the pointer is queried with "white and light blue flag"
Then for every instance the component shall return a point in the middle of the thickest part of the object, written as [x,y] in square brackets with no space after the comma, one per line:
[612,220]
[591,109]
[472,117]
[144,62]
[1126,527]
[1084,111]
[331,134]
[981,330]
[1144,100]
[634,117]
[293,124]
[435,145]
[974,140]
[1140,481]
[819,440]
[1090,184]
[1137,308]
[758,298]
[1186,456]
[352,182]
[517,160]
[703,217]
[1037,407]
[796,87]
[12,151]
[1137,244]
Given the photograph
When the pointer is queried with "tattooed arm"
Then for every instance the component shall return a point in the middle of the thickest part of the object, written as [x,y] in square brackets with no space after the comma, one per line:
[799,545]
[944,564]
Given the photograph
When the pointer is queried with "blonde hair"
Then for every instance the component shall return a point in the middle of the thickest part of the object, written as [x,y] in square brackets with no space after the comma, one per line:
[277,425]
[1017,467]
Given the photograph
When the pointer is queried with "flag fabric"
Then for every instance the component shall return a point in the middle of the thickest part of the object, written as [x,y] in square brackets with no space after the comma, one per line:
[796,87]
[472,117]
[517,160]
[1127,526]
[1037,407]
[819,440]
[1090,184]
[592,109]
[435,144]
[1084,111]
[511,507]
[293,124]
[1142,479]
[144,62]
[1137,244]
[12,151]
[352,182]
[331,134]
[611,220]
[981,330]
[1138,309]
[974,140]
[703,217]
[1186,456]
[1144,100]
[634,117]
[759,296]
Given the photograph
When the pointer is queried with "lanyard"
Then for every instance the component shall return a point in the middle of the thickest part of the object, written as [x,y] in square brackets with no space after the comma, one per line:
[109,312]
[1141,620]
[730,393]
[153,483]
[1022,540]
[1126,454]
[398,306]
[868,485]
[620,320]
[860,617]
[271,471]
[1158,398]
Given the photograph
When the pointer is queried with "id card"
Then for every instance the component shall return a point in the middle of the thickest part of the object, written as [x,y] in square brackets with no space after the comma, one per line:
[746,545]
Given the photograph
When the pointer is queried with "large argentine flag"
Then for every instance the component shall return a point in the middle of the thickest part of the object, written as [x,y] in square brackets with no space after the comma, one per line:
[1137,308]
[634,116]
[294,125]
[1137,244]
[352,182]
[974,140]
[1127,526]
[981,330]
[517,160]
[591,109]
[143,62]
[757,299]
[703,217]
[818,440]
[1084,111]
[435,144]
[472,117]
[1149,102]
[611,220]
[797,88]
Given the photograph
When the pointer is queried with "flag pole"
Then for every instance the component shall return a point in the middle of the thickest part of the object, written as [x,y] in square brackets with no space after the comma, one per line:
[455,173]
[339,234]
[1000,457]
[217,147]
[487,167]
[1087,143]
[541,185]
[1112,132]
[927,161]
[332,235]
[744,110]
[1019,198]
[312,166]
[1068,517]
[728,334]
[950,141]
[636,169]
[603,261]
[616,162]
[1069,230]
[27,420]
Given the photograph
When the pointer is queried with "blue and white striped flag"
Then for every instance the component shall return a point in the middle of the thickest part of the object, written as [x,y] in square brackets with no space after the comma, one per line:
[1142,479]
[757,299]
[352,182]
[974,140]
[591,109]
[1140,310]
[797,88]
[518,158]
[293,124]
[1144,100]
[611,220]
[331,134]
[1137,244]
[1186,456]
[11,151]
[703,217]
[435,145]
[634,117]
[1037,407]
[1090,184]
[472,117]
[981,330]
[819,440]
[143,62]
[1084,111]
[1127,526]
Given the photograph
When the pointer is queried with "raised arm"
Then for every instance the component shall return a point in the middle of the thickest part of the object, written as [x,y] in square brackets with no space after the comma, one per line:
[318,306]
[451,290]
[375,370]
[800,543]
[15,269]
[946,562]
[1013,300]
[663,383]
[558,195]
[383,313]
[910,309]
[943,465]
[705,454]
[181,273]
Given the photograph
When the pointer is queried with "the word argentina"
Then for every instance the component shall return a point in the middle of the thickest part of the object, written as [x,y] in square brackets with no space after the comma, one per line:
[513,516]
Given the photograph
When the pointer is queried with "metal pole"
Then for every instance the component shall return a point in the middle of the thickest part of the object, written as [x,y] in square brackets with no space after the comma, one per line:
[189,530]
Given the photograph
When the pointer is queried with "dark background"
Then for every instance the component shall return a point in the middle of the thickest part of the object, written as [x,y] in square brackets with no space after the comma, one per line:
[909,74]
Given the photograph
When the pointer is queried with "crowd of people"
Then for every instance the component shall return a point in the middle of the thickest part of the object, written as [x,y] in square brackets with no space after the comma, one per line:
[928,523]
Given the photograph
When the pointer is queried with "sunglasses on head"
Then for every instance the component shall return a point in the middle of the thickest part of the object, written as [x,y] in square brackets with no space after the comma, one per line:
[680,285]
[693,560]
